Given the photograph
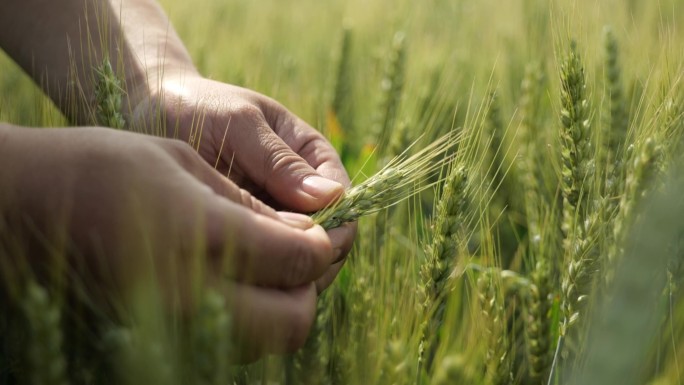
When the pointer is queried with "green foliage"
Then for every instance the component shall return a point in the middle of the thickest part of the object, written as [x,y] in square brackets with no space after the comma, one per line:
[538,243]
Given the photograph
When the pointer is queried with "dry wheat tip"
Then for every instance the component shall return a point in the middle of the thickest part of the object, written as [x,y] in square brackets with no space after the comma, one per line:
[401,178]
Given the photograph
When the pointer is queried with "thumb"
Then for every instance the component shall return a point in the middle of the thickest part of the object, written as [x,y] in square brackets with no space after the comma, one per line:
[293,182]
[287,177]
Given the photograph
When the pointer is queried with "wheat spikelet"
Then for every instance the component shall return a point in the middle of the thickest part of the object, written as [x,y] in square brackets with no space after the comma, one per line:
[615,129]
[527,160]
[644,169]
[497,366]
[398,180]
[494,147]
[392,85]
[538,323]
[342,96]
[108,96]
[536,318]
[442,254]
[579,228]
[580,270]
[576,148]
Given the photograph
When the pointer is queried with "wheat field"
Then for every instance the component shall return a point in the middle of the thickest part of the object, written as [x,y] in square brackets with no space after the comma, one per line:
[541,245]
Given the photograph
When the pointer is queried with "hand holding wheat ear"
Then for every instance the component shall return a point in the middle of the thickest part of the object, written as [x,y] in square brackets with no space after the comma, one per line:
[257,142]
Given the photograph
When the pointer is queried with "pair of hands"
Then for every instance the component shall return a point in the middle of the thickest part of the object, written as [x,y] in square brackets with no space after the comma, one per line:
[130,196]
[261,146]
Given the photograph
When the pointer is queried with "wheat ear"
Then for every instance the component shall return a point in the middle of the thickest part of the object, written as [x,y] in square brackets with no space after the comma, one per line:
[402,177]
[108,96]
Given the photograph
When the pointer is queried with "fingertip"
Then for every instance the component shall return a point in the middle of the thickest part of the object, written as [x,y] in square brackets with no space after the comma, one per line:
[271,320]
[296,220]
[322,189]
[318,232]
[342,240]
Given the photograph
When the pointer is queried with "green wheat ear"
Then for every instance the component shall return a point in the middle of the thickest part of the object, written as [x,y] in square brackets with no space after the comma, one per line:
[108,96]
[401,178]
[392,86]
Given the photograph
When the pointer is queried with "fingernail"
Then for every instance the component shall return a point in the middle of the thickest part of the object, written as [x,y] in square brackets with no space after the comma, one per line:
[299,221]
[320,187]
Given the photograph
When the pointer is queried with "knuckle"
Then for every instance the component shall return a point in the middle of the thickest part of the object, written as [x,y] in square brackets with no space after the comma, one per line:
[283,162]
[184,152]
[180,147]
[300,323]
[215,236]
[249,112]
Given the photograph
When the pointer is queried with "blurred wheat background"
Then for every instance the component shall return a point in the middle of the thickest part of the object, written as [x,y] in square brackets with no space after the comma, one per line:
[548,251]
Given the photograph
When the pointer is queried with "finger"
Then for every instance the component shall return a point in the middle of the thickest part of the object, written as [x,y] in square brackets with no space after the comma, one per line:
[318,152]
[342,240]
[314,149]
[192,162]
[265,251]
[270,163]
[271,320]
[297,220]
[305,140]
[328,277]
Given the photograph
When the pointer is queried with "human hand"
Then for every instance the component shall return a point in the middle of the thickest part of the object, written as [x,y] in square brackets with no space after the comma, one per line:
[132,203]
[258,143]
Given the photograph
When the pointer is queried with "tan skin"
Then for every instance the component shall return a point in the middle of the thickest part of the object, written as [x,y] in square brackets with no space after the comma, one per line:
[281,260]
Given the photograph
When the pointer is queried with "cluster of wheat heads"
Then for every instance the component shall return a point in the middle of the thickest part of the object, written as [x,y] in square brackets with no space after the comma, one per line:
[483,251]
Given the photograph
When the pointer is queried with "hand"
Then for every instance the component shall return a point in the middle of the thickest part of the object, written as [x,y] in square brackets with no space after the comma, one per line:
[126,200]
[259,144]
